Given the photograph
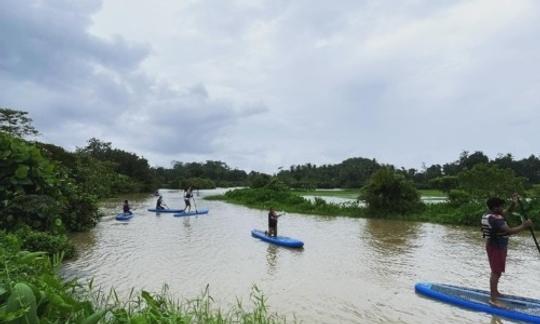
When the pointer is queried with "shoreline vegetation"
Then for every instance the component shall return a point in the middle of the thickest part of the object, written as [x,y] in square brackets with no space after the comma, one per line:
[465,213]
[48,193]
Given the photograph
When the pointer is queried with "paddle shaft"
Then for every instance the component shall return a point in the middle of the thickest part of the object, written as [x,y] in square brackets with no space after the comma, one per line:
[530,228]
[194,203]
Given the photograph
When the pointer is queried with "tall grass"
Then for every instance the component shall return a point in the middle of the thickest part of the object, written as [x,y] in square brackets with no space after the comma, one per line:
[32,292]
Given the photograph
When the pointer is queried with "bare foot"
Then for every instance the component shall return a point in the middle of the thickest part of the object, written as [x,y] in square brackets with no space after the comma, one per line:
[496,303]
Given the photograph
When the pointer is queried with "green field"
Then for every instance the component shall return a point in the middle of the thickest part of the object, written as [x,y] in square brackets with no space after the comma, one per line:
[344,193]
[354,193]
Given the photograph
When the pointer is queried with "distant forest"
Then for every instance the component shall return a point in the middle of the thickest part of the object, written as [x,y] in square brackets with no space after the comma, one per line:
[104,170]
[351,173]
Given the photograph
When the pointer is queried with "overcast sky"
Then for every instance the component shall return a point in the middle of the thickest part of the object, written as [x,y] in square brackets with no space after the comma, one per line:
[262,84]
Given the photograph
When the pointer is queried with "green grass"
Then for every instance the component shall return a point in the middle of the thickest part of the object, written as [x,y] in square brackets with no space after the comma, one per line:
[344,193]
[431,193]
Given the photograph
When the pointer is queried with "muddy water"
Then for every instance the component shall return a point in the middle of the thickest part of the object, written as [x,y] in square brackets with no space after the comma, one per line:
[350,271]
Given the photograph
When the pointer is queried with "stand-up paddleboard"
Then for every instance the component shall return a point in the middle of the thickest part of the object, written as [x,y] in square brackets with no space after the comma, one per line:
[516,308]
[124,216]
[278,240]
[192,212]
[166,210]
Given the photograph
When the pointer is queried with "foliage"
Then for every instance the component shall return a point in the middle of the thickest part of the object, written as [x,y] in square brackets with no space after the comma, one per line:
[351,173]
[469,213]
[389,192]
[444,183]
[35,241]
[213,173]
[16,123]
[32,292]
[39,193]
[122,162]
[484,181]
[286,200]
[258,180]
[458,197]
[199,183]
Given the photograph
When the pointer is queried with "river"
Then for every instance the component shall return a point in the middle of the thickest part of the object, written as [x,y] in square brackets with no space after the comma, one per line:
[350,270]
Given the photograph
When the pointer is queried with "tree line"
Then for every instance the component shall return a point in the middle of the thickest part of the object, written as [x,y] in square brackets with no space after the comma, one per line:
[104,170]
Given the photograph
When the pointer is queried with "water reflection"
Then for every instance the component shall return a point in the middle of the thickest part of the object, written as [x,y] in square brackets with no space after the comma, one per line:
[391,237]
[271,258]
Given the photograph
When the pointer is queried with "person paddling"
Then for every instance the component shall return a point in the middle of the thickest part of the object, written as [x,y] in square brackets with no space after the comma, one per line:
[160,203]
[272,222]
[188,194]
[497,231]
[127,210]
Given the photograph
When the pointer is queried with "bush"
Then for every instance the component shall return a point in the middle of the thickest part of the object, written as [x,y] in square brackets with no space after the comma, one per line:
[42,242]
[389,192]
[457,198]
[38,193]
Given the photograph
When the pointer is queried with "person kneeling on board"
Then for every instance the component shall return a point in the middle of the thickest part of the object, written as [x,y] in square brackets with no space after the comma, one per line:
[497,231]
[160,203]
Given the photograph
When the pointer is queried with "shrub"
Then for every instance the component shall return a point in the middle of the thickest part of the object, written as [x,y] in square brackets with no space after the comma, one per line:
[389,192]
[43,242]
[457,198]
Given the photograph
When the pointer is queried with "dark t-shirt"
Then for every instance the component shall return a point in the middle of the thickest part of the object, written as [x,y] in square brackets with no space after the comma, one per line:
[272,219]
[497,225]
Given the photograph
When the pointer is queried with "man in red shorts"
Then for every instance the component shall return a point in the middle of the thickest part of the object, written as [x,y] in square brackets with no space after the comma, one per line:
[497,231]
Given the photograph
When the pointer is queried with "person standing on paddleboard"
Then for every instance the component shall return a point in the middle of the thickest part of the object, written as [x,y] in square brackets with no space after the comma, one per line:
[188,194]
[272,222]
[497,231]
[127,210]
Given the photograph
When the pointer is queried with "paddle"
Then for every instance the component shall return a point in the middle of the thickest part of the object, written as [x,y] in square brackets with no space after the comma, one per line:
[524,216]
[194,203]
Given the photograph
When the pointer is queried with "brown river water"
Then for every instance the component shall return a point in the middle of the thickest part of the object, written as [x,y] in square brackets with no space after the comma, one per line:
[350,270]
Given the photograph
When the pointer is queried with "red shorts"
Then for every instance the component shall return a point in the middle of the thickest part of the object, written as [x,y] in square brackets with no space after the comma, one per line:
[497,258]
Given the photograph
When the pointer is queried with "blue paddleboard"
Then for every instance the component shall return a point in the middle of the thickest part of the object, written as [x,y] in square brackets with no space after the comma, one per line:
[124,216]
[167,210]
[278,240]
[516,308]
[192,212]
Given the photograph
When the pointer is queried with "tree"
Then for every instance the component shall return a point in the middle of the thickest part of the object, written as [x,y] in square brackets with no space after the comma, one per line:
[467,162]
[484,181]
[389,192]
[16,123]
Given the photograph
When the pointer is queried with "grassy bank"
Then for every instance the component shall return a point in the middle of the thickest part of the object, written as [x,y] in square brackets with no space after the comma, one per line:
[290,201]
[354,193]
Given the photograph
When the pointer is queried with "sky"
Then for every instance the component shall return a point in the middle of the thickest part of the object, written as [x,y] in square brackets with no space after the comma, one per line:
[263,84]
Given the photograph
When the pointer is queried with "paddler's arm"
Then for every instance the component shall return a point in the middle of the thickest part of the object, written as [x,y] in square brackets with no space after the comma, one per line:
[513,204]
[514,230]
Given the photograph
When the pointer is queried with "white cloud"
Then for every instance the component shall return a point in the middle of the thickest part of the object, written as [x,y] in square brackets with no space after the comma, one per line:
[260,84]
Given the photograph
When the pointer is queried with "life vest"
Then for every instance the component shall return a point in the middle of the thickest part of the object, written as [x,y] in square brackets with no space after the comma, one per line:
[487,230]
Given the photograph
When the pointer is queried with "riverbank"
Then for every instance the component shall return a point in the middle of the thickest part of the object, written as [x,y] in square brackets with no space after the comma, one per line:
[468,213]
[32,291]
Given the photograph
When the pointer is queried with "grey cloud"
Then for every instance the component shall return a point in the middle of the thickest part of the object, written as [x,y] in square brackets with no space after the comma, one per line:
[77,85]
